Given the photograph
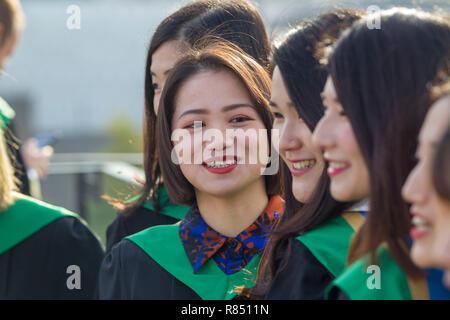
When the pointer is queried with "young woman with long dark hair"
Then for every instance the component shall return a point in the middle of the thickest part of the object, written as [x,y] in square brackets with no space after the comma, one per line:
[233,206]
[309,246]
[441,183]
[175,34]
[418,188]
[429,200]
[375,99]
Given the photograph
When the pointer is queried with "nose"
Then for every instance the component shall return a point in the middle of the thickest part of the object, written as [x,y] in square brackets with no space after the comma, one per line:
[411,190]
[217,142]
[288,138]
[322,135]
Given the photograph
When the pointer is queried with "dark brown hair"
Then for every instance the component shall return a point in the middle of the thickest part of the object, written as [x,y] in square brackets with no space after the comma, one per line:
[441,167]
[298,58]
[217,56]
[238,22]
[380,76]
[178,27]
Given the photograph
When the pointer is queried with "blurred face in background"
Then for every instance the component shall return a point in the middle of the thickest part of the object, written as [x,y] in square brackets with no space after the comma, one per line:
[334,135]
[430,213]
[304,159]
[163,60]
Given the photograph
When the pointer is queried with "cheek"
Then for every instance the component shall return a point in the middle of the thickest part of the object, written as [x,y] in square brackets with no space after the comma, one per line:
[185,149]
[277,131]
[156,103]
[255,146]
[306,138]
[346,141]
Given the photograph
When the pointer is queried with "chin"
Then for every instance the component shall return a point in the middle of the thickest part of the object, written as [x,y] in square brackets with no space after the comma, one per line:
[420,255]
[219,191]
[301,195]
[338,195]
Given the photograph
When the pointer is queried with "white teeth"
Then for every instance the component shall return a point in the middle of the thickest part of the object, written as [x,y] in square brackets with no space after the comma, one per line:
[221,164]
[337,165]
[304,164]
[420,223]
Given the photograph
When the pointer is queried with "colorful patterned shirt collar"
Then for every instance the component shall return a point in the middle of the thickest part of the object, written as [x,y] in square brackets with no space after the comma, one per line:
[201,242]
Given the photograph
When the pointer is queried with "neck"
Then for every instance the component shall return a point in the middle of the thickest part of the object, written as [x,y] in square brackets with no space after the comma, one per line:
[231,214]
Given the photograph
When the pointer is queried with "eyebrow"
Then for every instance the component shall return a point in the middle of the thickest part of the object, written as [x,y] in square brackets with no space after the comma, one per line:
[224,109]
[273,104]
[164,73]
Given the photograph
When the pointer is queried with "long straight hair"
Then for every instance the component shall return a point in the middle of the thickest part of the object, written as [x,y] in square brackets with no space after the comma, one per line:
[380,76]
[298,58]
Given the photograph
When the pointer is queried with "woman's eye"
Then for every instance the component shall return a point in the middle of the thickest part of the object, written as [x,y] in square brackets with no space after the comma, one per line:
[195,125]
[278,115]
[239,119]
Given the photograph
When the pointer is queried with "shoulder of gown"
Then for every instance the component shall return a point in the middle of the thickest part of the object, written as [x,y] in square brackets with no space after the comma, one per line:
[303,277]
[40,266]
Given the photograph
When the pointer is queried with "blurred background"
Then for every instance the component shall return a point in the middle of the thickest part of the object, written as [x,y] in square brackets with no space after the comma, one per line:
[85,88]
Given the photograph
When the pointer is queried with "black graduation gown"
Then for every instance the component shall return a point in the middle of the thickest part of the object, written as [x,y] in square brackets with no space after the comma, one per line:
[303,278]
[36,268]
[124,275]
[139,220]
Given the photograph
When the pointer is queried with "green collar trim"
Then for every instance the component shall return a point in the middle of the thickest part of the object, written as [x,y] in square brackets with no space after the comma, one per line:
[358,280]
[330,243]
[164,246]
[168,208]
[24,218]
[6,114]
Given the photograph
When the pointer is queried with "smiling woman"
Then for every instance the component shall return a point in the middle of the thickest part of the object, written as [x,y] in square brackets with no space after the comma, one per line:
[234,207]
[376,104]
[237,21]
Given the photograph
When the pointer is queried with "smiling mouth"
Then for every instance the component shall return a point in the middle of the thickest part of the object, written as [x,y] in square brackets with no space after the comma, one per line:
[420,228]
[220,164]
[304,164]
[335,168]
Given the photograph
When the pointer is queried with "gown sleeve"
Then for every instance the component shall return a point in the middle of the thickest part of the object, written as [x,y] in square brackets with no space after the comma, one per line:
[75,245]
[303,278]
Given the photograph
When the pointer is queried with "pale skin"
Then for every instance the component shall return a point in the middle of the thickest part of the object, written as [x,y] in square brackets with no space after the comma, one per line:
[230,202]
[334,135]
[163,60]
[431,222]
[295,146]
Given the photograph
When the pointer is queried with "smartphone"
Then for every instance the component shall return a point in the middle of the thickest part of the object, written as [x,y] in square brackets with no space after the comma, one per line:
[45,139]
